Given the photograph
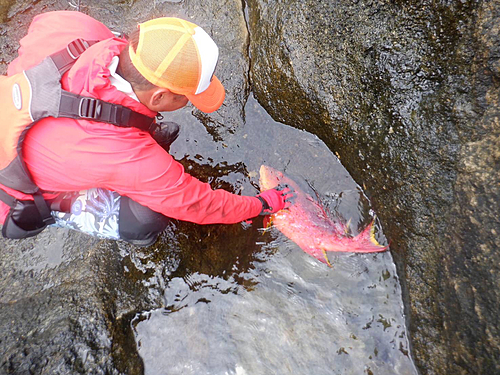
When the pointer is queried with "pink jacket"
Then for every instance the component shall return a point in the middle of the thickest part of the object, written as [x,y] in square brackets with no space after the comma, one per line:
[71,155]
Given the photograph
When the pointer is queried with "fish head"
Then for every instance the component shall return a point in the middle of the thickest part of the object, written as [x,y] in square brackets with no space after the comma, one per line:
[269,177]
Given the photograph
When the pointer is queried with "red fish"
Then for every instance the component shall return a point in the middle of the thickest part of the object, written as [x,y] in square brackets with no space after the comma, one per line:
[308,225]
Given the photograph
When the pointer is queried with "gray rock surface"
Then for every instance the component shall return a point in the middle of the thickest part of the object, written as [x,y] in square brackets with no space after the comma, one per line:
[406,93]
[61,306]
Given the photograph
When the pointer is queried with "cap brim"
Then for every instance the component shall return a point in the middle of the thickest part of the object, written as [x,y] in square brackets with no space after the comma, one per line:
[211,99]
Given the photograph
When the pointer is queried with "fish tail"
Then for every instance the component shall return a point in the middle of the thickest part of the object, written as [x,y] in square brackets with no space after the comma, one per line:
[365,242]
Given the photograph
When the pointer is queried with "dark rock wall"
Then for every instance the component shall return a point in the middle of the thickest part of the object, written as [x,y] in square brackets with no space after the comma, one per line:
[406,94]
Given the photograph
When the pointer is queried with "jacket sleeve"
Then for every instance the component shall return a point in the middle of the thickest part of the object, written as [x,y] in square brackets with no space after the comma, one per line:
[164,187]
[63,156]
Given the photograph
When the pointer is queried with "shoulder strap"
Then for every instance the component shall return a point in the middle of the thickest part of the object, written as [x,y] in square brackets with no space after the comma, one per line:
[41,205]
[8,199]
[66,57]
[43,208]
[87,108]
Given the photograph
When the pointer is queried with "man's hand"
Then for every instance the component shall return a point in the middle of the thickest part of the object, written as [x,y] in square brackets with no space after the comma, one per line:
[274,200]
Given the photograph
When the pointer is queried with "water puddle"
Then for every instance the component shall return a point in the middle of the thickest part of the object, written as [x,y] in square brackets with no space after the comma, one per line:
[268,307]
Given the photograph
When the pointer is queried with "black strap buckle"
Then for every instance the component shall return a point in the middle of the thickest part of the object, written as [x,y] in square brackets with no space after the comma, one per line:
[89,108]
[77,47]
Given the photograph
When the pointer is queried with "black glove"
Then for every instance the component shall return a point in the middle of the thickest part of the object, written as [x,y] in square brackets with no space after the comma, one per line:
[166,134]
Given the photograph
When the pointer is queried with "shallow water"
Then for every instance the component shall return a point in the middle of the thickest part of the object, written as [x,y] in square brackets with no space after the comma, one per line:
[279,311]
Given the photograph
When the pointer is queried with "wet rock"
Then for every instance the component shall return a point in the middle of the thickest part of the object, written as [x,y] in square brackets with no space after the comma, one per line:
[63,298]
[66,300]
[406,93]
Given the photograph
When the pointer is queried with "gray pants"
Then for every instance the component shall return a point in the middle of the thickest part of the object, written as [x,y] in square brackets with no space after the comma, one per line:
[105,214]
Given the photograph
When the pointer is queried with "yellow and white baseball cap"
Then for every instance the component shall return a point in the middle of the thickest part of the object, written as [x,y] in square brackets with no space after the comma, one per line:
[180,56]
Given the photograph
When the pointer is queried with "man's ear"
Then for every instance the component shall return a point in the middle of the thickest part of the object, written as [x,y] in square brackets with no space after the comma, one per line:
[154,98]
[160,99]
[159,96]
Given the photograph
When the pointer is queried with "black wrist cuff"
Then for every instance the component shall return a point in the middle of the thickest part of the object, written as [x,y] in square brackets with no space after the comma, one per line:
[265,206]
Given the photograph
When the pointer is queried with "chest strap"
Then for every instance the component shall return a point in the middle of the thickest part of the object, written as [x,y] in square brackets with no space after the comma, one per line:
[88,108]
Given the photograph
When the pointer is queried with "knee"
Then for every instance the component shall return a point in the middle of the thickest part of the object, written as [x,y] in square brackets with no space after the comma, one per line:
[139,224]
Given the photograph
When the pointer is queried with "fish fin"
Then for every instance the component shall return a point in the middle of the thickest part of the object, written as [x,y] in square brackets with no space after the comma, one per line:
[372,234]
[346,229]
[371,230]
[268,223]
[326,258]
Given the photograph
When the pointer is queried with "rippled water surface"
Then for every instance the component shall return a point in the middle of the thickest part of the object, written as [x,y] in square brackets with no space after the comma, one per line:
[277,310]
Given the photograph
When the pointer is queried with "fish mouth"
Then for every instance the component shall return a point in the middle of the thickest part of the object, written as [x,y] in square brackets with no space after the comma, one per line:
[269,177]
